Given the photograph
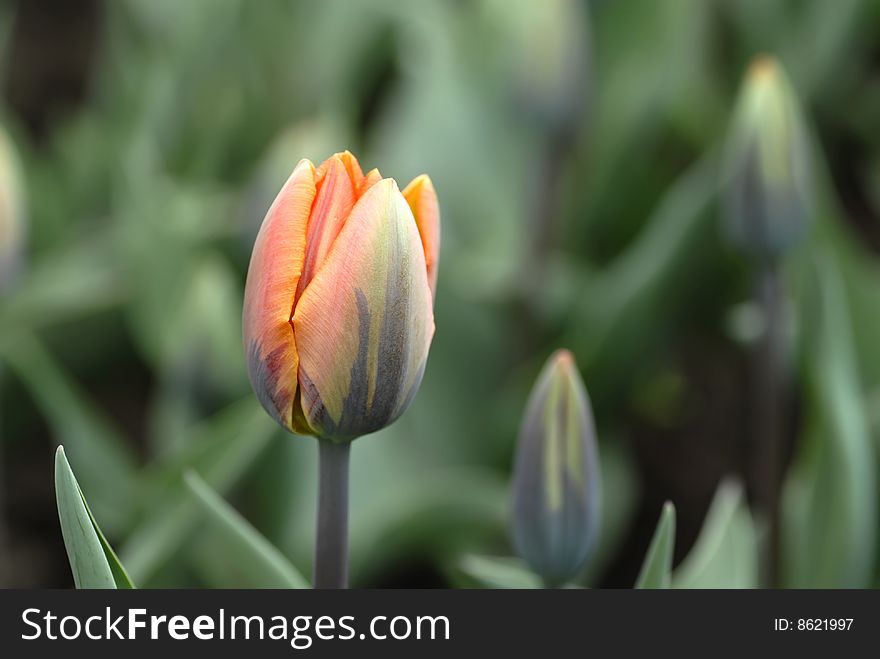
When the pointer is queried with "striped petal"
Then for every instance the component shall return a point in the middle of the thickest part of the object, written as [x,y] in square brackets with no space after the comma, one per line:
[274,272]
[364,323]
[422,200]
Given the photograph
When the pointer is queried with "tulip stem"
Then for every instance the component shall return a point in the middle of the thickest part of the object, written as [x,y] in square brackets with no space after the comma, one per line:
[331,543]
[768,413]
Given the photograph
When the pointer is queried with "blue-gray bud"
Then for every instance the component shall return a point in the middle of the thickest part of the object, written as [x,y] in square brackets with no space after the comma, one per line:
[556,485]
[767,200]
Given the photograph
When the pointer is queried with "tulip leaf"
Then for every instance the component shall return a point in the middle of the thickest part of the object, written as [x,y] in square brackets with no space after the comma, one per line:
[862,278]
[656,571]
[474,571]
[245,555]
[103,458]
[725,554]
[273,491]
[222,450]
[829,507]
[92,559]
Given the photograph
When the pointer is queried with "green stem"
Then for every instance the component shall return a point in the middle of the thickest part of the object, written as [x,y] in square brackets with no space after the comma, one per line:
[768,404]
[331,542]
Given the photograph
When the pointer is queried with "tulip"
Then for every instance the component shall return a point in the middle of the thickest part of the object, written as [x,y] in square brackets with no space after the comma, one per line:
[556,485]
[767,165]
[768,207]
[338,306]
[338,318]
[11,212]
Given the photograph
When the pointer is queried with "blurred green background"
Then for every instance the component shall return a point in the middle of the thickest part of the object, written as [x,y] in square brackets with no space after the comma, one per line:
[574,147]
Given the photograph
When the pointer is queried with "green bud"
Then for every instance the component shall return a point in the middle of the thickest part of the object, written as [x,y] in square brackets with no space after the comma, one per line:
[556,485]
[767,165]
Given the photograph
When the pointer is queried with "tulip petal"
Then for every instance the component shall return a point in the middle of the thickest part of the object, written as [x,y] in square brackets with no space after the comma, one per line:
[422,200]
[333,203]
[352,166]
[365,322]
[274,272]
[370,179]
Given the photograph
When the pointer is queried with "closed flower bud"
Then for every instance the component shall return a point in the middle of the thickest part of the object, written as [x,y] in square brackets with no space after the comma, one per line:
[767,168]
[11,213]
[338,305]
[546,56]
[556,484]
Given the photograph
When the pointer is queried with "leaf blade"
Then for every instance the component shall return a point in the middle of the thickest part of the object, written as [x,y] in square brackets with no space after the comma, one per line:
[656,571]
[85,551]
[222,450]
[258,560]
[726,552]
[120,575]
[829,509]
[109,472]
[474,571]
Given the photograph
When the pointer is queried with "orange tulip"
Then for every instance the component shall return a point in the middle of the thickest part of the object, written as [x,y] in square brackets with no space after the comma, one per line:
[338,306]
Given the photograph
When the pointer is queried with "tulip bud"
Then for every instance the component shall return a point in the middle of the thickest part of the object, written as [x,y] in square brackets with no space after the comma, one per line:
[11,212]
[546,58]
[556,484]
[767,168]
[338,305]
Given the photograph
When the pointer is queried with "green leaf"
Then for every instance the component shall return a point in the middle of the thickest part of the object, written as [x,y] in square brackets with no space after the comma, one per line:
[92,559]
[104,461]
[656,571]
[244,554]
[222,450]
[725,554]
[120,575]
[829,506]
[473,571]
